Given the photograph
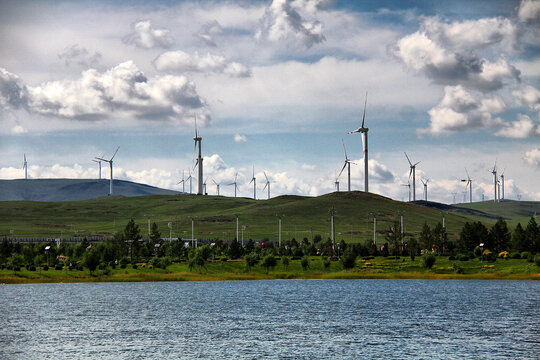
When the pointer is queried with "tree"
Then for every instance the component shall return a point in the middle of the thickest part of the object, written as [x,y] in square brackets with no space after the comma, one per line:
[472,234]
[426,238]
[305,263]
[394,236]
[519,239]
[440,238]
[269,261]
[132,234]
[500,236]
[15,262]
[532,234]
[251,260]
[412,245]
[155,235]
[285,261]
[235,250]
[348,259]
[91,259]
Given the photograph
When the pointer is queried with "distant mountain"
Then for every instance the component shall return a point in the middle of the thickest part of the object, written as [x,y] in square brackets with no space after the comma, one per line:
[72,189]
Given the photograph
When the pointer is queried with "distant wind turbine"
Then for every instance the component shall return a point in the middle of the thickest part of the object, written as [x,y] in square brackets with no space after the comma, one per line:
[190,178]
[199,162]
[347,163]
[217,186]
[425,188]
[204,186]
[364,130]
[468,184]
[235,184]
[494,172]
[25,167]
[267,184]
[413,173]
[502,184]
[110,161]
[254,181]
[99,163]
[409,186]
[183,181]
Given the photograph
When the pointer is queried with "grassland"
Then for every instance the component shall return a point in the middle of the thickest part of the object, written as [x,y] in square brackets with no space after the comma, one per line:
[377,268]
[215,216]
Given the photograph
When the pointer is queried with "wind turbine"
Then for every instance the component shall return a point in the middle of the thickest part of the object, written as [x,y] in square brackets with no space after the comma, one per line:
[364,130]
[110,161]
[425,188]
[217,186]
[254,181]
[25,167]
[183,181]
[347,163]
[502,184]
[235,184]
[199,162]
[494,172]
[99,163]
[189,178]
[454,195]
[468,184]
[204,186]
[413,173]
[409,186]
[336,183]
[267,184]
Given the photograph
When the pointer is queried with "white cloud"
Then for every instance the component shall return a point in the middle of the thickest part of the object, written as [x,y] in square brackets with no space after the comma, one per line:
[146,37]
[208,31]
[179,62]
[532,157]
[523,128]
[75,54]
[461,110]
[529,96]
[18,129]
[529,11]
[122,91]
[293,21]
[239,138]
[308,167]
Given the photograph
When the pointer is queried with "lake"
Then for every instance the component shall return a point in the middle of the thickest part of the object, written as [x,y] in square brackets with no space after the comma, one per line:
[289,319]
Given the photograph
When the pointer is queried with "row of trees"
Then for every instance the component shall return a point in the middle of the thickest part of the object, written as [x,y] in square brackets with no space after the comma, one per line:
[127,246]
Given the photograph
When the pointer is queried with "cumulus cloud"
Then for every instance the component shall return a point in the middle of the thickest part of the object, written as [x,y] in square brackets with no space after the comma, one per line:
[461,110]
[529,11]
[122,91]
[308,167]
[18,129]
[532,157]
[208,31]
[292,20]
[13,92]
[431,54]
[77,55]
[239,138]
[144,36]
[179,62]
[529,96]
[523,128]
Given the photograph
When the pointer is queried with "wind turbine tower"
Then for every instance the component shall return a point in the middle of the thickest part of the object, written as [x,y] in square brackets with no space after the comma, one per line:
[413,173]
[425,188]
[494,172]
[25,167]
[347,163]
[235,184]
[254,181]
[217,186]
[267,184]
[110,161]
[502,184]
[183,181]
[99,163]
[409,186]
[199,163]
[364,131]
[468,184]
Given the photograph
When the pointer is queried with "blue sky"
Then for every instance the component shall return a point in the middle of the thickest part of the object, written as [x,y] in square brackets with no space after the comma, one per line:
[275,85]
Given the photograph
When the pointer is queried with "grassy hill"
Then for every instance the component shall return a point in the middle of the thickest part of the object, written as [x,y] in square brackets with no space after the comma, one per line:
[510,210]
[72,189]
[215,216]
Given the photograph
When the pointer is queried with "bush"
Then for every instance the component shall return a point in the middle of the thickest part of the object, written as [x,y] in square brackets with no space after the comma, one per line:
[123,266]
[457,269]
[58,267]
[134,266]
[102,266]
[525,254]
[349,260]
[326,263]
[451,258]
[530,258]
[32,268]
[490,257]
[515,255]
[269,261]
[428,261]
[463,257]
[305,263]
[285,261]
[537,260]
[251,260]
[45,268]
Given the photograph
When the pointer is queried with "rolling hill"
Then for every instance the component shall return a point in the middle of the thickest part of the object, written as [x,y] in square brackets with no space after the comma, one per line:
[72,189]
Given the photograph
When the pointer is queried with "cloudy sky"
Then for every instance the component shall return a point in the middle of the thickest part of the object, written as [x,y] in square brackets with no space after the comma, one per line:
[275,85]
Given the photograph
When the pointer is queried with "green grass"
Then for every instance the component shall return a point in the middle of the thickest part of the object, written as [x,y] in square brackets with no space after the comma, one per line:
[215,217]
[378,268]
[511,210]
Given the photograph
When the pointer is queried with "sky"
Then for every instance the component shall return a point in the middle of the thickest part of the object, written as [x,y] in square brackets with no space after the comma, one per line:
[275,86]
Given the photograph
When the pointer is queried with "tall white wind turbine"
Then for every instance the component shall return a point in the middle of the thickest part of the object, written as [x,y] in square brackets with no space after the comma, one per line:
[409,186]
[413,173]
[217,186]
[25,167]
[254,181]
[425,188]
[99,163]
[204,186]
[502,184]
[267,184]
[199,162]
[494,172]
[347,163]
[468,184]
[190,178]
[364,130]
[110,161]
[183,181]
[235,184]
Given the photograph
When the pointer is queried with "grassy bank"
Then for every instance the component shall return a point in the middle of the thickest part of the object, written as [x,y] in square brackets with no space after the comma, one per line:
[377,268]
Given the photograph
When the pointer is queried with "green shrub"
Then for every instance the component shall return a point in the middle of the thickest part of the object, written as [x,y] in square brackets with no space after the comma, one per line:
[491,257]
[58,267]
[285,261]
[428,260]
[305,263]
[251,260]
[269,261]
[530,258]
[457,269]
[102,266]
[32,268]
[326,263]
[123,266]
[525,255]
[451,258]
[537,260]
[463,257]
[348,260]
[45,268]
[515,255]
[134,266]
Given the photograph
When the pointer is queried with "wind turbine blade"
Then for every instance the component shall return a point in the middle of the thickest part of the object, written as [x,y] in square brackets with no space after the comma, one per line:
[410,174]
[410,163]
[115,153]
[364,116]
[343,168]
[416,163]
[363,145]
[345,149]
[103,159]
[265,186]
[265,176]
[235,177]
[354,131]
